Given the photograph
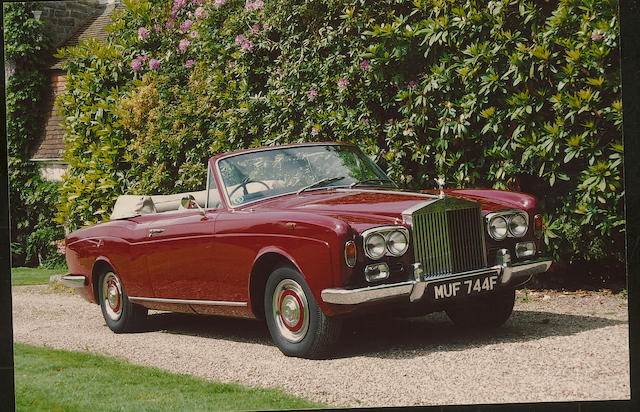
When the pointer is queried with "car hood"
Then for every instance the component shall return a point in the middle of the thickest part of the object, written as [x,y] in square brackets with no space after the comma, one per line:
[362,208]
[355,206]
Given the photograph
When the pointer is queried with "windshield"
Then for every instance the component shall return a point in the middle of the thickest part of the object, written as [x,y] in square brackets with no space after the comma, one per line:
[252,176]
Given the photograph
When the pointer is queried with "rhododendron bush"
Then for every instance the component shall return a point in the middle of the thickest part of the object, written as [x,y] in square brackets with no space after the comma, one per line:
[504,94]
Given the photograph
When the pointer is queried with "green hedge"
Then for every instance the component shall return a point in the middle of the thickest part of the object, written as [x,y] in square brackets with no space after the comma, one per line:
[504,94]
[33,229]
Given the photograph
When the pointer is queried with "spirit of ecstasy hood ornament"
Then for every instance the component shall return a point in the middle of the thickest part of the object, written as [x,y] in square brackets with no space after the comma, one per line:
[440,182]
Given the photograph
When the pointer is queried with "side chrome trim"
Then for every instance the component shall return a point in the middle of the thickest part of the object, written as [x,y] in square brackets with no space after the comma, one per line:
[188,301]
[511,276]
[74,281]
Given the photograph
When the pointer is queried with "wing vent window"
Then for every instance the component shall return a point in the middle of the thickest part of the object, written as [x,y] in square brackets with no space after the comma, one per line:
[213,196]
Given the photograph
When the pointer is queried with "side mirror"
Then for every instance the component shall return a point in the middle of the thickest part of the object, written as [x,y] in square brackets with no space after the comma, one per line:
[188,202]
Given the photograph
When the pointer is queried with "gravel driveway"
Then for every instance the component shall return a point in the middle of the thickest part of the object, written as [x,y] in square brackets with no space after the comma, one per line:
[555,347]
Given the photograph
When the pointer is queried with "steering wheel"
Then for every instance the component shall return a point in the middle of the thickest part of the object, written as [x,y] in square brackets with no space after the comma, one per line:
[244,184]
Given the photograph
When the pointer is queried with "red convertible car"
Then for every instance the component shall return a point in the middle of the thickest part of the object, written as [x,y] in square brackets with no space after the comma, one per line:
[303,236]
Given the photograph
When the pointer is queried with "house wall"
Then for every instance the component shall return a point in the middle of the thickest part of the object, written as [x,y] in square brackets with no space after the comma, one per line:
[62,17]
[52,170]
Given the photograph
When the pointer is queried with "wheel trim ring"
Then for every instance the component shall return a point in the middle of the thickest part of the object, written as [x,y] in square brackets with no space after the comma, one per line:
[113,291]
[110,283]
[300,318]
[289,287]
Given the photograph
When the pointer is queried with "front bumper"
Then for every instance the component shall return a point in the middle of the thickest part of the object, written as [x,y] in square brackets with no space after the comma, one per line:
[510,275]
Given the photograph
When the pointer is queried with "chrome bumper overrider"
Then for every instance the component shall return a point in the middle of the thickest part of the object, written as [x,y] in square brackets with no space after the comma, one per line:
[510,274]
[74,281]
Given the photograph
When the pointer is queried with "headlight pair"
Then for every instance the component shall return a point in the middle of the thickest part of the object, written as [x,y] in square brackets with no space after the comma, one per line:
[387,240]
[513,223]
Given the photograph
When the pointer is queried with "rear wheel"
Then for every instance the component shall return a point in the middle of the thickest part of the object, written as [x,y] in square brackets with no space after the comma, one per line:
[296,324]
[120,314]
[486,311]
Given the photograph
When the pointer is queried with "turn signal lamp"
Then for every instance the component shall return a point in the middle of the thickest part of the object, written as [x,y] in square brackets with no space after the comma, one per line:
[350,255]
[537,226]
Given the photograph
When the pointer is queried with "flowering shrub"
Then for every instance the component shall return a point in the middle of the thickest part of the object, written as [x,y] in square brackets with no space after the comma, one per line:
[499,94]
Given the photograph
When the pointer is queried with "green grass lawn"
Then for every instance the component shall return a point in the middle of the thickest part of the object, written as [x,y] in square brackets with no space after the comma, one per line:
[34,276]
[57,380]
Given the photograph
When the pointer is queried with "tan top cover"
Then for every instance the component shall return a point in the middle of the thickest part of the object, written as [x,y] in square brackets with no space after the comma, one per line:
[135,205]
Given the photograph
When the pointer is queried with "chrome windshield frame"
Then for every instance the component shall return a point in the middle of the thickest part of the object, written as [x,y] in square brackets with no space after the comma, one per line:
[223,188]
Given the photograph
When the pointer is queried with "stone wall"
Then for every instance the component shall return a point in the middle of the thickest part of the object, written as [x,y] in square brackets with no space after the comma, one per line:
[61,18]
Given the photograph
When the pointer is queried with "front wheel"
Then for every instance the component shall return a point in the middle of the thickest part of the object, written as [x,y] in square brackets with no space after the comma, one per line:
[486,311]
[296,324]
[120,314]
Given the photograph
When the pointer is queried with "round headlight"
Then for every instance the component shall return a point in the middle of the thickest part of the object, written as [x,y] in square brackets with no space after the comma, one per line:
[374,246]
[397,243]
[498,228]
[518,225]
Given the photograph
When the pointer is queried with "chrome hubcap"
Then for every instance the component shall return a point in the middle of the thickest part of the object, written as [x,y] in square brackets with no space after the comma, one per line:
[291,310]
[112,295]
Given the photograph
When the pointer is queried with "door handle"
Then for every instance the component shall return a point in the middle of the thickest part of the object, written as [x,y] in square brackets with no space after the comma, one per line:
[155,232]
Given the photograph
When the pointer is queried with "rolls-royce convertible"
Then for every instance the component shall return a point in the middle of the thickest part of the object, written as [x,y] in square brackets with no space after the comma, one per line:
[304,236]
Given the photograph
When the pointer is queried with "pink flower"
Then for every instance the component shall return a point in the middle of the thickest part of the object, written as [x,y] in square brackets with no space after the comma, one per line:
[184,43]
[255,28]
[189,63]
[254,5]
[143,58]
[390,120]
[193,34]
[412,85]
[157,28]
[186,25]
[219,3]
[247,45]
[366,122]
[279,71]
[154,64]
[365,65]
[200,13]
[239,39]
[265,26]
[143,33]
[315,130]
[597,35]
[342,83]
[232,64]
[136,64]
[177,5]
[170,23]
[312,94]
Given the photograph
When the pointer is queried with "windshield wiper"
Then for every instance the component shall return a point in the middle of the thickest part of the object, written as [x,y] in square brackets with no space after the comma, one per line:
[364,182]
[321,183]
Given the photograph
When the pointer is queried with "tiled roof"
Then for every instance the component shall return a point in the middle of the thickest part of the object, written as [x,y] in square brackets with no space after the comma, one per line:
[50,146]
[94,26]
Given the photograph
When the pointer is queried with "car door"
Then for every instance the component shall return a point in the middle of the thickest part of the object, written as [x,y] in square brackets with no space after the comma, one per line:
[180,255]
[180,251]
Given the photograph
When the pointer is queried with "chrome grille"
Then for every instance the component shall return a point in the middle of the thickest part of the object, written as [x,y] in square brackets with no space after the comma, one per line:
[448,237]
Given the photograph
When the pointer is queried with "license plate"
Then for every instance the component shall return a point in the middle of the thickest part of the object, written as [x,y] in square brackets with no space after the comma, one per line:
[467,286]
